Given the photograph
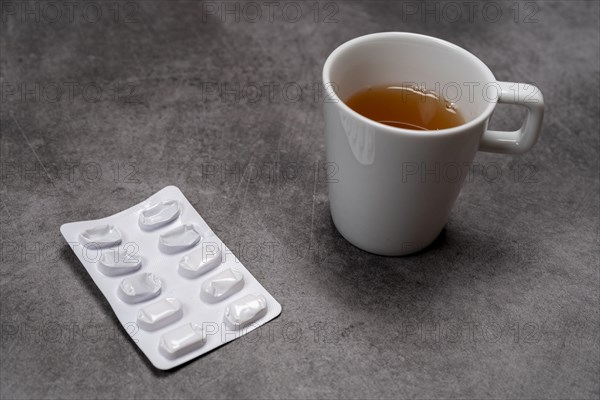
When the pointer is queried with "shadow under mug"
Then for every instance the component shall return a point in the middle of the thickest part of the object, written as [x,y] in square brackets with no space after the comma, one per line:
[393,188]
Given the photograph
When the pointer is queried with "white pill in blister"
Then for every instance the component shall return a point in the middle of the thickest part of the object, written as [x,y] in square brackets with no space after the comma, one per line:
[245,310]
[188,255]
[182,340]
[101,236]
[222,285]
[119,262]
[159,314]
[159,214]
[138,288]
[180,238]
[200,261]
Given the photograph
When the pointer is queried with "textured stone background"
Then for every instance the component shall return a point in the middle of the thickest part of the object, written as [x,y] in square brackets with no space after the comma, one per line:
[503,305]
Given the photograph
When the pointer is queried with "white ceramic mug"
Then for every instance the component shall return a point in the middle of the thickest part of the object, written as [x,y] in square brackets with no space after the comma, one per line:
[392,189]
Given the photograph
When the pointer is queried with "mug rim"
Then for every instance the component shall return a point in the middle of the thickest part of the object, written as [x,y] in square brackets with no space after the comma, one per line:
[485,114]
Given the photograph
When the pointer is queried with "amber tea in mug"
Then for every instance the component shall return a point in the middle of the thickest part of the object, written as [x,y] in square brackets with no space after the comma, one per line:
[406,107]
[375,202]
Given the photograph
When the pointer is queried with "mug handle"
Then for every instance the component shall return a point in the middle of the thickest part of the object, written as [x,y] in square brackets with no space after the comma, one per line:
[519,141]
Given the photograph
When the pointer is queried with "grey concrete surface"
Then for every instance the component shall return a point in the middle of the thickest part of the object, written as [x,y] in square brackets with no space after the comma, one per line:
[99,111]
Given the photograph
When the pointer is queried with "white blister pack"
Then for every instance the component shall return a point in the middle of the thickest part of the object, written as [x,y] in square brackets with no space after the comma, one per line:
[174,286]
